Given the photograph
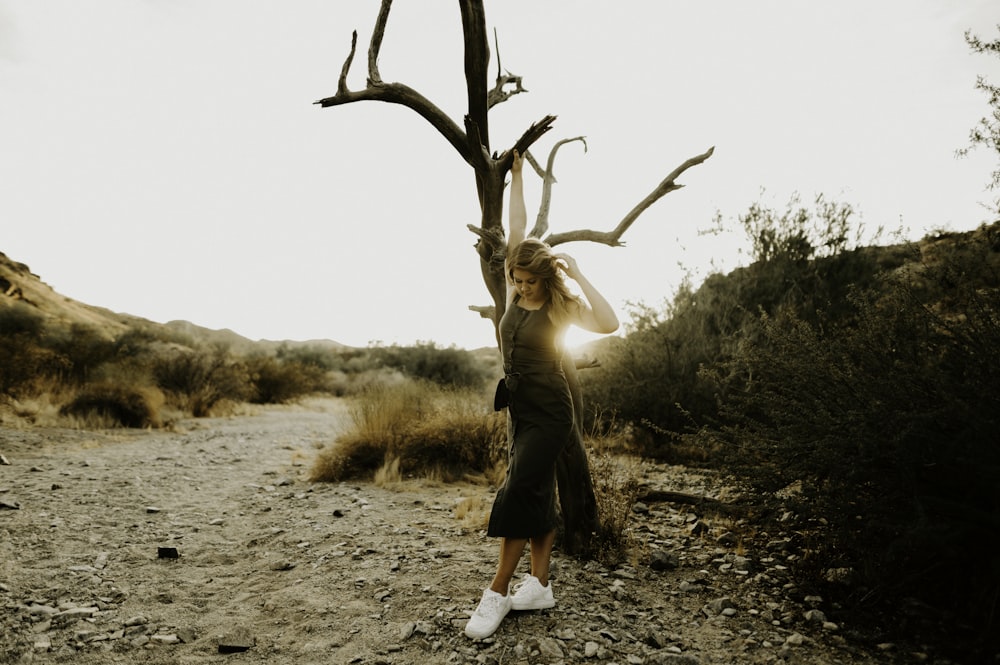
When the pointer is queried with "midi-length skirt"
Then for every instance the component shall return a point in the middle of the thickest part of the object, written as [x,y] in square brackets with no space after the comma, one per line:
[541,413]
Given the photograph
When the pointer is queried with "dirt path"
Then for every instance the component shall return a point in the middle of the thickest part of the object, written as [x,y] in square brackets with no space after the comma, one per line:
[277,570]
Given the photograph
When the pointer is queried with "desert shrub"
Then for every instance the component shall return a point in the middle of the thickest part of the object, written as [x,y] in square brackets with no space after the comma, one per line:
[200,380]
[616,487]
[315,356]
[430,431]
[986,133]
[448,366]
[19,319]
[24,364]
[120,405]
[652,380]
[459,437]
[84,348]
[278,381]
[889,424]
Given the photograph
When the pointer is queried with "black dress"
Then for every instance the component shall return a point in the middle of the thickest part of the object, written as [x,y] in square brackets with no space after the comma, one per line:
[541,412]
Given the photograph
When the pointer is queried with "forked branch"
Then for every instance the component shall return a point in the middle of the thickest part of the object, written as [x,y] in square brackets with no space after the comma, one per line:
[613,238]
[548,179]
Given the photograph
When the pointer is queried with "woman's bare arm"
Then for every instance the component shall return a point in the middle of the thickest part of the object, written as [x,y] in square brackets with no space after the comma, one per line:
[517,214]
[596,314]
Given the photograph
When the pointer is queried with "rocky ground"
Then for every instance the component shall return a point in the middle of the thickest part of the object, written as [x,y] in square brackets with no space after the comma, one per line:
[206,544]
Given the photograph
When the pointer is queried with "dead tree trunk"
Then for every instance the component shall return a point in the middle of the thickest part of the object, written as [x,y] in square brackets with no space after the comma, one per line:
[472,142]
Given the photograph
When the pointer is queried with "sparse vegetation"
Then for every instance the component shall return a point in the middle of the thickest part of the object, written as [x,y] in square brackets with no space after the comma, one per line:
[862,377]
[116,406]
[616,487]
[416,428]
[75,364]
[865,380]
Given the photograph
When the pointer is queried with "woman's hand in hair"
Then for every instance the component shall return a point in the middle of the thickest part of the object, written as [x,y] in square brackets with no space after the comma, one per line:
[569,266]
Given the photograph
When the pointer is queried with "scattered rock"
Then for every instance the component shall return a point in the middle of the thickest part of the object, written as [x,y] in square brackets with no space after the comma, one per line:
[238,640]
[660,560]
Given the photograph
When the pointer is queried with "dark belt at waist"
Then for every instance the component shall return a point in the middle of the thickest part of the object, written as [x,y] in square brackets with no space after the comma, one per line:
[511,375]
[544,367]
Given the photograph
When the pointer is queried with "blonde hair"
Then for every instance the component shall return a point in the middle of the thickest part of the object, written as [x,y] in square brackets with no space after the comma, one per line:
[534,256]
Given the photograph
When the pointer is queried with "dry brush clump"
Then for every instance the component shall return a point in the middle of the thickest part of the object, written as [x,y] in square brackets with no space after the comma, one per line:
[421,428]
[616,487]
[109,405]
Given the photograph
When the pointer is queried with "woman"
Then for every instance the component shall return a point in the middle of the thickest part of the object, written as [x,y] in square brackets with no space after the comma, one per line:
[539,310]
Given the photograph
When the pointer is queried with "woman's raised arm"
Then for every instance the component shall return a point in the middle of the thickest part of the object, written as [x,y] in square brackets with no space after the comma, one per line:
[517,214]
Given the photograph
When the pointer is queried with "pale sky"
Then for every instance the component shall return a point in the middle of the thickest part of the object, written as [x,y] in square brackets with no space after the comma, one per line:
[164,158]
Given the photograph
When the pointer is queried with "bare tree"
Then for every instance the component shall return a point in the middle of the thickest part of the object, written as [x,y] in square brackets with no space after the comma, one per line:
[472,141]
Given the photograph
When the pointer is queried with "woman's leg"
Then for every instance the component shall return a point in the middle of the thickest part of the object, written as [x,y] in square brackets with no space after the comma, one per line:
[510,555]
[541,555]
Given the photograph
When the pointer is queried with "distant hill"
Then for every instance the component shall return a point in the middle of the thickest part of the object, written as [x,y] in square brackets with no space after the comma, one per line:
[21,287]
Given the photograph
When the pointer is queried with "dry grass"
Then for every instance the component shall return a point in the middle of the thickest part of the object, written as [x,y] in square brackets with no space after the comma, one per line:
[473,511]
[616,486]
[388,475]
[414,429]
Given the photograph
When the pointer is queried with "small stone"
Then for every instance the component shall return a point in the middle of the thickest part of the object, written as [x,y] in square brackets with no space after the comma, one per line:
[152,509]
[137,620]
[699,528]
[640,508]
[795,639]
[4,461]
[815,616]
[728,539]
[660,560]
[165,639]
[406,630]
[282,565]
[239,640]
[590,649]
[9,504]
[550,650]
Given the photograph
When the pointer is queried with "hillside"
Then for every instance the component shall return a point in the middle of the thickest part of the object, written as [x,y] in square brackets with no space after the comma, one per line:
[21,287]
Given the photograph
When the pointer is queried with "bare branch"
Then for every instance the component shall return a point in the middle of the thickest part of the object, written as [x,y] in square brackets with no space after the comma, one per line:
[548,178]
[485,311]
[342,81]
[530,135]
[539,171]
[399,93]
[498,94]
[375,46]
[613,238]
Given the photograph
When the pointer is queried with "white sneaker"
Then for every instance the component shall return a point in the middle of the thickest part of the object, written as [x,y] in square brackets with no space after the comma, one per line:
[486,619]
[531,595]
